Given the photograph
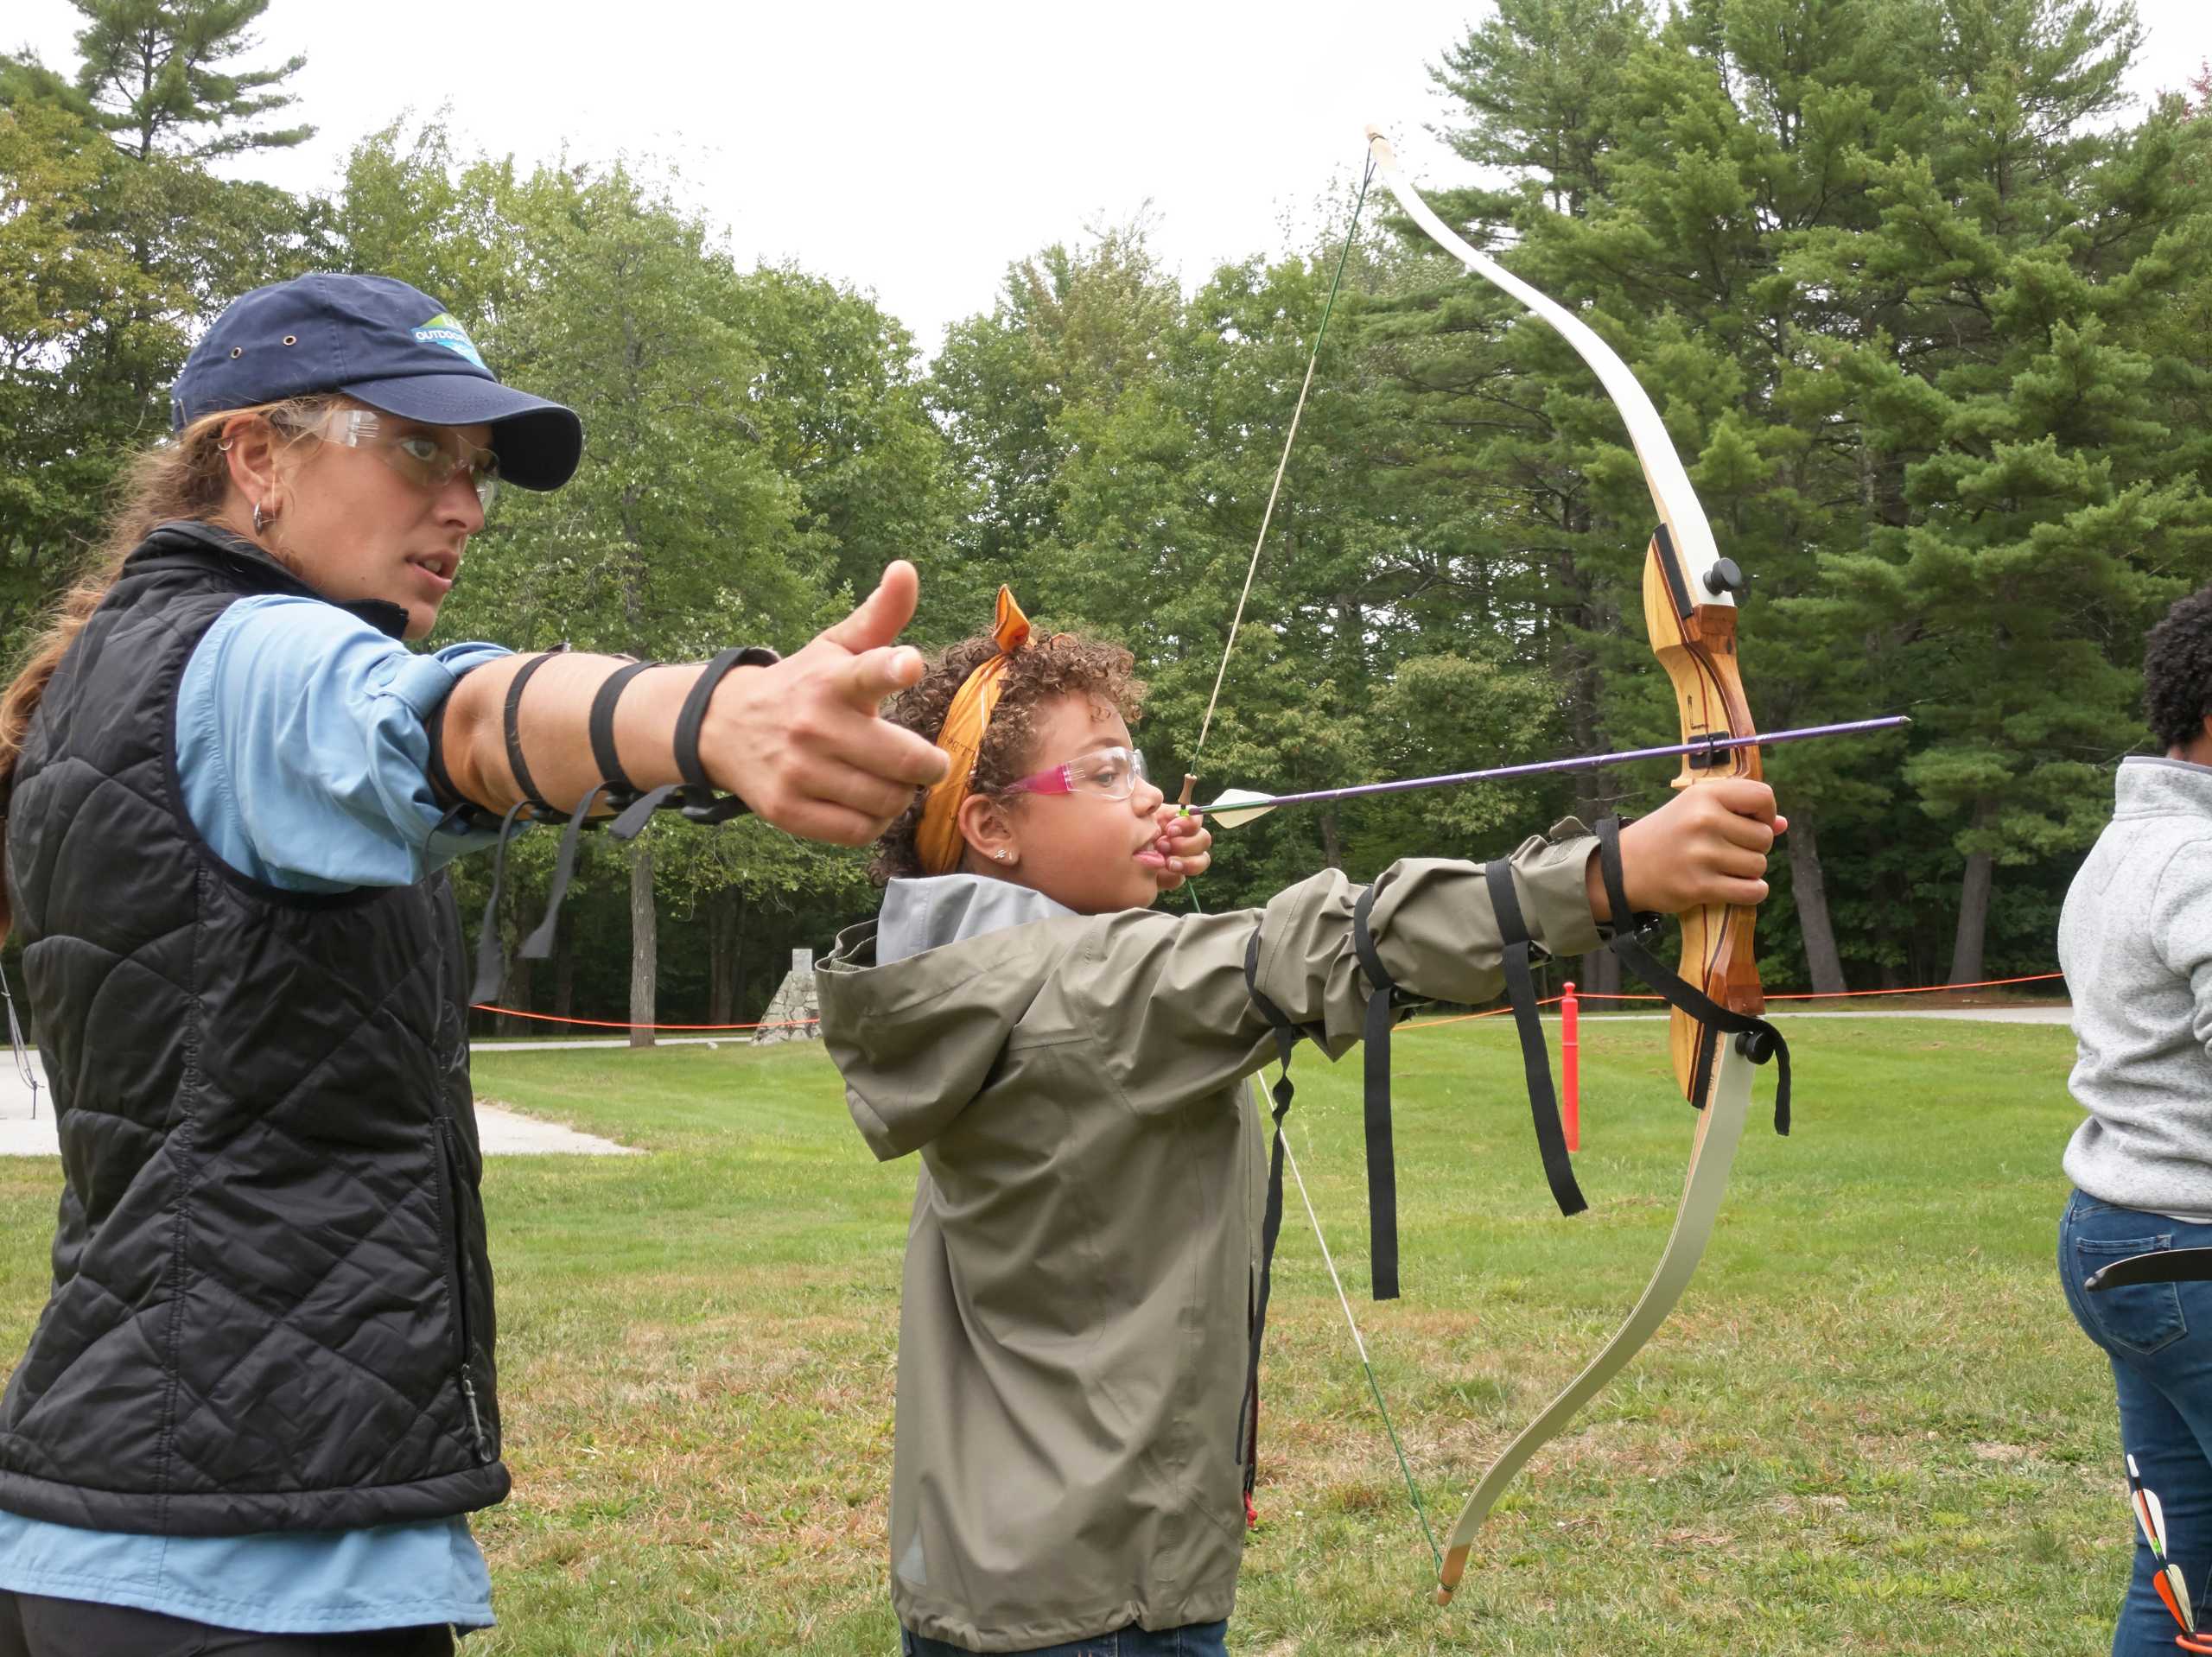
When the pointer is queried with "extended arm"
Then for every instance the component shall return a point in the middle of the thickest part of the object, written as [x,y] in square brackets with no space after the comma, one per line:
[798,741]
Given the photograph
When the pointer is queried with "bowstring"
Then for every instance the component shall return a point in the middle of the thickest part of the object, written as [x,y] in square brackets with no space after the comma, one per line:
[1358,1341]
[1405,1471]
[1313,1215]
[1274,492]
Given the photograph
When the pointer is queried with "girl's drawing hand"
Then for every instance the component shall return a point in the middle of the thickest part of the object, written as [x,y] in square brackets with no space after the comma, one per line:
[1179,850]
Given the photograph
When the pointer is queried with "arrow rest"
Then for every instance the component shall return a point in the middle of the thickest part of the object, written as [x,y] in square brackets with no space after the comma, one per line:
[1711,754]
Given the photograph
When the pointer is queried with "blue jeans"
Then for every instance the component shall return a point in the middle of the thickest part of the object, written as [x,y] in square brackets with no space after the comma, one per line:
[2158,1336]
[1192,1640]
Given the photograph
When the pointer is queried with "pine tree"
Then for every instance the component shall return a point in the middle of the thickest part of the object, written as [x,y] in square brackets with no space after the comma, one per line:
[147,246]
[161,75]
[1891,275]
[2032,508]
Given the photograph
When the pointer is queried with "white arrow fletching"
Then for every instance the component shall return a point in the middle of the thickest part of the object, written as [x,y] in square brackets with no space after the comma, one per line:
[2144,1505]
[2143,1517]
[1236,808]
[2181,1597]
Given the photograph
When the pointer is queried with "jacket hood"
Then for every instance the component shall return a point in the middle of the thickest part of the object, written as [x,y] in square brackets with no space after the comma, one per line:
[917,1004]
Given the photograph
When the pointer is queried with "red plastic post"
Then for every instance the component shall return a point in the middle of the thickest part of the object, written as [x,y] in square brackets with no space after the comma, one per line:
[1570,1048]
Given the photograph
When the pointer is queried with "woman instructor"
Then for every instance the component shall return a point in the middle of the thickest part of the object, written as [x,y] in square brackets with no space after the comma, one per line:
[262,1396]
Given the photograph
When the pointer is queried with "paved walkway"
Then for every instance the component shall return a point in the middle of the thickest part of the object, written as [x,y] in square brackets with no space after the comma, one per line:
[509,1132]
[504,1133]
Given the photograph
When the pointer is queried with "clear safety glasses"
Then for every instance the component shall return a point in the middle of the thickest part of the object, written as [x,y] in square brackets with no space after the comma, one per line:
[428,456]
[1110,773]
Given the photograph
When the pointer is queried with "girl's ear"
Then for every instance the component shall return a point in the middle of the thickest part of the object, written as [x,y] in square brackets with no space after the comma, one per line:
[988,828]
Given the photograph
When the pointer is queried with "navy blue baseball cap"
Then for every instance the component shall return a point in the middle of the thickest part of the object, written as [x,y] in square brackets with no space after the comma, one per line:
[385,344]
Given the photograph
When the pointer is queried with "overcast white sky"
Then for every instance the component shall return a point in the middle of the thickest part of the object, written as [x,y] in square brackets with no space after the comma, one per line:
[917,149]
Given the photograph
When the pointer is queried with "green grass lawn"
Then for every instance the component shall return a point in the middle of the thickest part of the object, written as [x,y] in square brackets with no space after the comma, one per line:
[1871,1425]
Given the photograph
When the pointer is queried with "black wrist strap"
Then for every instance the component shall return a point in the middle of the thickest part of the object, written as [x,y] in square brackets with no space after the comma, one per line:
[700,802]
[1381,1158]
[694,796]
[1286,1035]
[538,946]
[631,822]
[621,791]
[1535,1059]
[442,787]
[694,714]
[697,797]
[491,958]
[1755,1037]
[511,722]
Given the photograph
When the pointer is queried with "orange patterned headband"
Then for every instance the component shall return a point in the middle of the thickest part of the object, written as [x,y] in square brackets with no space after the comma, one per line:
[936,838]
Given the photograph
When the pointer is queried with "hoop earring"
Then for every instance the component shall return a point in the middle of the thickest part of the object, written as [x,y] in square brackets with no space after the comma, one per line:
[259,522]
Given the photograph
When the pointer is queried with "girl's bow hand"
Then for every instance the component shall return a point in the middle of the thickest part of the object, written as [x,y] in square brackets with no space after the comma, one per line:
[1180,850]
[1708,845]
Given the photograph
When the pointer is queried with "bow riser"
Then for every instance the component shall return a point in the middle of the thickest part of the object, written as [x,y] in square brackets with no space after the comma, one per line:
[1695,642]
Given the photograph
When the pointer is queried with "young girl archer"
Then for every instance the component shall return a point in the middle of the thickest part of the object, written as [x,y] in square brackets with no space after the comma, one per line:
[1084,1262]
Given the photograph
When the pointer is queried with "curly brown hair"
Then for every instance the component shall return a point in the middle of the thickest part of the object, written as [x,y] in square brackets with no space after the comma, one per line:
[1050,667]
[2177,671]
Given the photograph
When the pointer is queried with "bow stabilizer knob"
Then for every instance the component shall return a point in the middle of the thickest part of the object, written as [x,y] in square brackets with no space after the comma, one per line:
[1727,576]
[1757,1045]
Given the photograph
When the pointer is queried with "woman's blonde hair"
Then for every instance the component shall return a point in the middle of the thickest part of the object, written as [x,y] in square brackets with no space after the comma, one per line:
[186,476]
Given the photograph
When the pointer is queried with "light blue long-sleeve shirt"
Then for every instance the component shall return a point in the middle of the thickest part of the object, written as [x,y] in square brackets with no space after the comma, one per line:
[302,748]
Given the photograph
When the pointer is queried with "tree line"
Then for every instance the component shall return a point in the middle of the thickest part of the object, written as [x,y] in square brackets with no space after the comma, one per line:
[1925,302]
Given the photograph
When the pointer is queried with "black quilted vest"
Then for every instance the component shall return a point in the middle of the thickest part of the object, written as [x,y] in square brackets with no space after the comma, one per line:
[272,1305]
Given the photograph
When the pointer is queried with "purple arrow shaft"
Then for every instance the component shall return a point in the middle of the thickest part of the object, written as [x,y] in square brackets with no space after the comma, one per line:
[1581,762]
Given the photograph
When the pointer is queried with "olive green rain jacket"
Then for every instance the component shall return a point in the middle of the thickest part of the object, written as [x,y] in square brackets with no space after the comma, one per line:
[1083,1255]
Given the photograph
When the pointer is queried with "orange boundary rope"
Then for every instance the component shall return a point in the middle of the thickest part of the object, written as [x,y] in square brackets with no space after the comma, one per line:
[617,1024]
[1802,995]
[1932,989]
[1417,1023]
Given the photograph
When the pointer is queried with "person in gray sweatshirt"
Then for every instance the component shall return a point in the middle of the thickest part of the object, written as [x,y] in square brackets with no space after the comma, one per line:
[2135,941]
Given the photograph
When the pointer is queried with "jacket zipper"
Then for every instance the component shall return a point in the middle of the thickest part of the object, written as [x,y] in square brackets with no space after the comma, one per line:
[475,1421]
[450,1155]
